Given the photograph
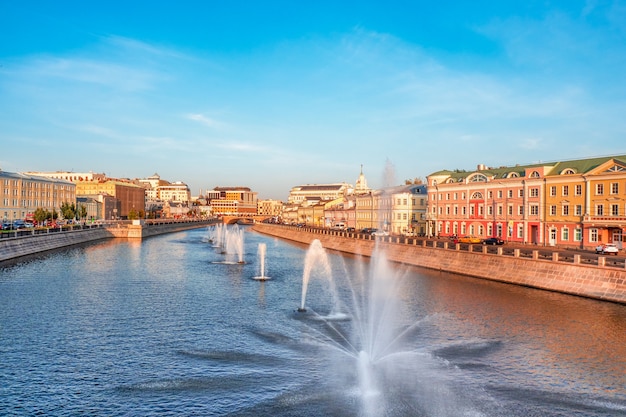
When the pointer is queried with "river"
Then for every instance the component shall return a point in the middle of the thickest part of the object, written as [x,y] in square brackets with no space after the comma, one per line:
[171,326]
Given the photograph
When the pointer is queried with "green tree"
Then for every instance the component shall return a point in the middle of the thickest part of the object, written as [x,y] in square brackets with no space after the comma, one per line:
[82,212]
[41,215]
[133,215]
[68,210]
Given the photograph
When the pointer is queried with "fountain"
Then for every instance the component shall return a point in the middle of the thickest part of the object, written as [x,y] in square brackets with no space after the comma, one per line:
[371,345]
[229,240]
[261,254]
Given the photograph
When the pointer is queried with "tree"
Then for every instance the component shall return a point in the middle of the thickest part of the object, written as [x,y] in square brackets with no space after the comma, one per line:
[68,210]
[133,215]
[42,215]
[82,212]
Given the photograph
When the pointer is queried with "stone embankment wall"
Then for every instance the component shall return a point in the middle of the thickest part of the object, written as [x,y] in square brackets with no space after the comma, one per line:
[16,247]
[29,245]
[592,281]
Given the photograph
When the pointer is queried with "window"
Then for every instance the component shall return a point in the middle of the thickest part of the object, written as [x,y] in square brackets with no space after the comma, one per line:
[481,211]
[520,193]
[481,230]
[600,210]
[534,192]
[499,210]
[565,210]
[614,188]
[593,235]
[464,210]
[565,190]
[553,191]
[490,229]
[510,210]
[553,210]
[456,210]
[472,230]
[520,231]
[520,210]
[499,193]
[509,193]
[578,210]
[489,195]
[534,210]
[490,210]
[456,196]
[614,209]
[578,189]
[565,234]
[578,234]
[599,189]
[448,210]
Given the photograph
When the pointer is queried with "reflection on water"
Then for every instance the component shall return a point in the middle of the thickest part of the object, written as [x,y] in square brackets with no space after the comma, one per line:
[157,327]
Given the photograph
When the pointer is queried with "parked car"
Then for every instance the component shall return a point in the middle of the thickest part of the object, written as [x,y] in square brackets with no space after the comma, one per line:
[493,241]
[607,248]
[368,230]
[380,233]
[350,230]
[469,239]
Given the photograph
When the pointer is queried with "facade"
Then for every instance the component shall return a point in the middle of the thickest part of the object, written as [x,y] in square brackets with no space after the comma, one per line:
[22,194]
[269,207]
[300,193]
[340,213]
[176,192]
[131,197]
[576,203]
[235,201]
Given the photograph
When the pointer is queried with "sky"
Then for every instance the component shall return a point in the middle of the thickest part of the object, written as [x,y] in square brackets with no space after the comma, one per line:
[275,94]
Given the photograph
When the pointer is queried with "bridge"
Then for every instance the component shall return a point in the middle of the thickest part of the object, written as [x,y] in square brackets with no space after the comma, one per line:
[231,219]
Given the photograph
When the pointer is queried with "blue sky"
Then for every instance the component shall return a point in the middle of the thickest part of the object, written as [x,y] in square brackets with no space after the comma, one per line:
[272,94]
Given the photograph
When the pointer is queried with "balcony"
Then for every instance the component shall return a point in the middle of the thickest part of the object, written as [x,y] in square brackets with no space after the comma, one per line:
[605,220]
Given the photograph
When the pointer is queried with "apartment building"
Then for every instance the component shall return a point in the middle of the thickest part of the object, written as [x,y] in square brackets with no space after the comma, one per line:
[22,194]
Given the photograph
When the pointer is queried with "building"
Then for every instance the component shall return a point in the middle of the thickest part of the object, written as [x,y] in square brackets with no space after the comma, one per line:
[22,194]
[235,201]
[299,194]
[130,196]
[270,207]
[574,203]
[176,192]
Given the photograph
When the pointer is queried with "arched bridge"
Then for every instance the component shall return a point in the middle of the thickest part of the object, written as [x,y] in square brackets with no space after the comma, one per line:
[228,219]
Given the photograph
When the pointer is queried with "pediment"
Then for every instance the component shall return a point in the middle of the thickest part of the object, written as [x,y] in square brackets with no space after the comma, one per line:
[612,166]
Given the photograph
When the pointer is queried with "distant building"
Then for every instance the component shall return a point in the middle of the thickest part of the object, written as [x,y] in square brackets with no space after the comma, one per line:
[22,194]
[269,207]
[299,194]
[131,197]
[235,201]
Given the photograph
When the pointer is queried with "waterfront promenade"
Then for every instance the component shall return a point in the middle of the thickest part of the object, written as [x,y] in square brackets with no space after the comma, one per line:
[531,267]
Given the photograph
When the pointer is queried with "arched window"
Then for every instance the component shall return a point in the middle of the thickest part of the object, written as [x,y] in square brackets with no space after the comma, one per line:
[449,181]
[477,196]
[512,175]
[534,174]
[478,178]
[568,171]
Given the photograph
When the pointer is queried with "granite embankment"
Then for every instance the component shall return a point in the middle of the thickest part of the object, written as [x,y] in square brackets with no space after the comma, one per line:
[30,243]
[592,281]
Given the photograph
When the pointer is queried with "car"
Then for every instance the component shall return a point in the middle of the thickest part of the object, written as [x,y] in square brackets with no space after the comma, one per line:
[607,248]
[350,230]
[368,230]
[469,239]
[493,241]
[380,233]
